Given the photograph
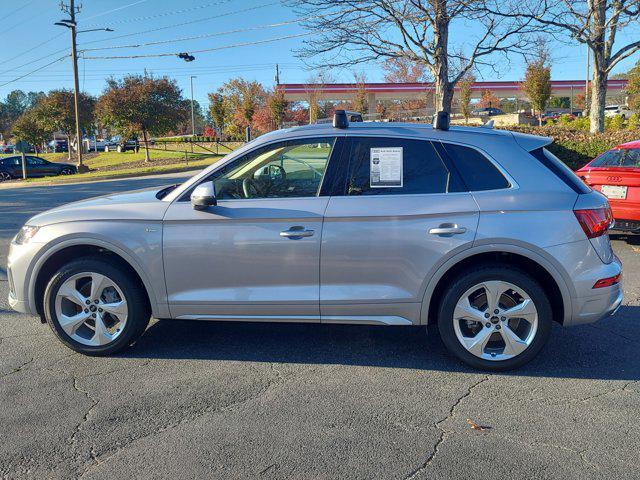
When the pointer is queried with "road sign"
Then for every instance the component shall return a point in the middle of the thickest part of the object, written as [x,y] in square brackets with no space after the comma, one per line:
[22,146]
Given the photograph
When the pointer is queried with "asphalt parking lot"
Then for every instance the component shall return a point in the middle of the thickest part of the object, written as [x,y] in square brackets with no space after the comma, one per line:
[215,400]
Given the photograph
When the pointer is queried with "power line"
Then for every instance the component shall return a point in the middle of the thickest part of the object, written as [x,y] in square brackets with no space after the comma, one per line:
[33,71]
[155,55]
[183,24]
[115,9]
[33,48]
[196,37]
[16,10]
[41,58]
[167,14]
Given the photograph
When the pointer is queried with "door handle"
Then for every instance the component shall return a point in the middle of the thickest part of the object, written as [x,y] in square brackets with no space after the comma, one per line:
[296,233]
[448,229]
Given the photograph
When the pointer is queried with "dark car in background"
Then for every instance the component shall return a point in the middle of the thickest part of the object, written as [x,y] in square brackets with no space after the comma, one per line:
[11,167]
[59,145]
[487,111]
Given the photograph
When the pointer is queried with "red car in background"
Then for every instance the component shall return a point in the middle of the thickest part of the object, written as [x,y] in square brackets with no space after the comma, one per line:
[616,174]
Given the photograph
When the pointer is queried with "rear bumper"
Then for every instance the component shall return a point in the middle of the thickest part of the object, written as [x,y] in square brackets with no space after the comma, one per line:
[596,307]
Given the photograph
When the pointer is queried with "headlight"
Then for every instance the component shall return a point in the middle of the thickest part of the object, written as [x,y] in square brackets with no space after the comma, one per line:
[25,234]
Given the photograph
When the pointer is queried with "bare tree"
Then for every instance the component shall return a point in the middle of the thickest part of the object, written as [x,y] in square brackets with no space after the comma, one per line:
[595,23]
[348,32]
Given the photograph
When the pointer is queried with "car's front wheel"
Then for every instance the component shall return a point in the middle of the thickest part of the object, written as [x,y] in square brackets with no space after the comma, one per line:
[495,318]
[95,307]
[67,171]
[4,176]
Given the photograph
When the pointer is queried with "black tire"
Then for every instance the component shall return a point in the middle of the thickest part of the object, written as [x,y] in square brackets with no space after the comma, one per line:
[135,295]
[67,171]
[505,273]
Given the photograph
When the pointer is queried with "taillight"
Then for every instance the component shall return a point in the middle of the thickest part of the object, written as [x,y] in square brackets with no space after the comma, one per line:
[595,221]
[607,282]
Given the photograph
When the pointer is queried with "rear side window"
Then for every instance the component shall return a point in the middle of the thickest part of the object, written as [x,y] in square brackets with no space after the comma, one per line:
[395,166]
[477,172]
[560,170]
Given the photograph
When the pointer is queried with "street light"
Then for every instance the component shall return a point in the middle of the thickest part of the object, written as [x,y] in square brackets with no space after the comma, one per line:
[193,118]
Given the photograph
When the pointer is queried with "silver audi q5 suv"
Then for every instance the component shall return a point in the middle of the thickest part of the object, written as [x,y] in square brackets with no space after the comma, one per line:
[481,232]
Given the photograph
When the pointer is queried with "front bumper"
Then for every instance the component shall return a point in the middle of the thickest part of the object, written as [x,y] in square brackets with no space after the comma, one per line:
[19,267]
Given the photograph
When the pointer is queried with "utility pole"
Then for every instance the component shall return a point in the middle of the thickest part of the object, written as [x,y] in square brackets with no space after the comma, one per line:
[193,116]
[71,9]
[276,77]
[71,24]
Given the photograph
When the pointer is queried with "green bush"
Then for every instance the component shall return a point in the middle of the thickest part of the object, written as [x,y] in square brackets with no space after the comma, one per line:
[633,123]
[611,124]
[581,123]
[576,148]
[565,120]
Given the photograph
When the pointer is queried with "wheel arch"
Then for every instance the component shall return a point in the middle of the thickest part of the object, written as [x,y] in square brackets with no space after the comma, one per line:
[548,275]
[55,257]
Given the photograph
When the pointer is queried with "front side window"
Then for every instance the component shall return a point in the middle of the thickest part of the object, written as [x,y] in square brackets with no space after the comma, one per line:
[392,166]
[286,169]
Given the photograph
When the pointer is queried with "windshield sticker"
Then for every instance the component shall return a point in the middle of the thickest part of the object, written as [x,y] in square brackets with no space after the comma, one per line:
[386,167]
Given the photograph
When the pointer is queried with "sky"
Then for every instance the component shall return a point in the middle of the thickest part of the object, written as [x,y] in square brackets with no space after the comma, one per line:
[31,41]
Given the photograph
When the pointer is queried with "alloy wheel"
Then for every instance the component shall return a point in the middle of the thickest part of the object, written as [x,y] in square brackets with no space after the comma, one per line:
[91,309]
[495,320]
[4,176]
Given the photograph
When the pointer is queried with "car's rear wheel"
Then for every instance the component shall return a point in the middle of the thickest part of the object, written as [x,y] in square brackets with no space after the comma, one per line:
[66,171]
[495,318]
[95,308]
[4,176]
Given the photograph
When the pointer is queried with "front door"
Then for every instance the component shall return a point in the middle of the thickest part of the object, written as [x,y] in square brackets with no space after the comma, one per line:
[256,255]
[400,213]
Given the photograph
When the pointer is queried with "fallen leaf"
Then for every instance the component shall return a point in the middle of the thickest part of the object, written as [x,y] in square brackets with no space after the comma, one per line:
[636,249]
[475,426]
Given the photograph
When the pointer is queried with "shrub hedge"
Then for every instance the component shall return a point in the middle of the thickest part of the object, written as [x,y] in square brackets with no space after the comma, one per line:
[576,148]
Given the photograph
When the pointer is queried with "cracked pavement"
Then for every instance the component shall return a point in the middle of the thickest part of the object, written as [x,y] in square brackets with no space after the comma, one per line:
[216,400]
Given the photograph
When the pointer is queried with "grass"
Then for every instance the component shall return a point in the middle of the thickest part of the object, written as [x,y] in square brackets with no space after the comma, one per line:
[127,164]
[145,169]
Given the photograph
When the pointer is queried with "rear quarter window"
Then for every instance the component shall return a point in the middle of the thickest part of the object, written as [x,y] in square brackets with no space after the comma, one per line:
[560,170]
[476,170]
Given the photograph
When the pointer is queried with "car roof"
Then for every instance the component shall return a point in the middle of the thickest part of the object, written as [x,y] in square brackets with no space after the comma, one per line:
[472,135]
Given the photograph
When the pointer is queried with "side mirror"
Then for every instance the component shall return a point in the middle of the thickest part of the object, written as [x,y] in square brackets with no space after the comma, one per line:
[204,196]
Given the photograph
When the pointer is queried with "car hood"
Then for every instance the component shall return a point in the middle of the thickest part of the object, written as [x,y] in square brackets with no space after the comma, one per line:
[135,205]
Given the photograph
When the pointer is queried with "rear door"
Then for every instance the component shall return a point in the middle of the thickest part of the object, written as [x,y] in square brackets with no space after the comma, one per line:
[398,213]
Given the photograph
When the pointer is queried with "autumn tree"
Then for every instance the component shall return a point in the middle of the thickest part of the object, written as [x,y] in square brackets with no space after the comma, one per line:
[537,81]
[277,106]
[598,24]
[633,88]
[488,99]
[350,32]
[465,85]
[28,128]
[360,101]
[142,103]
[218,110]
[56,113]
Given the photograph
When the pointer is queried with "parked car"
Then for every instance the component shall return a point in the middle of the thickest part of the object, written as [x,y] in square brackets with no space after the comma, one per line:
[59,145]
[11,167]
[613,110]
[120,145]
[101,145]
[7,148]
[482,232]
[616,174]
[487,111]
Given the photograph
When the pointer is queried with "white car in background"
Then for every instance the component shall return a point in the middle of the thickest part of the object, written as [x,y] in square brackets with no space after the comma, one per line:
[613,110]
